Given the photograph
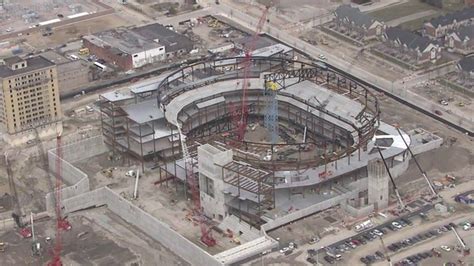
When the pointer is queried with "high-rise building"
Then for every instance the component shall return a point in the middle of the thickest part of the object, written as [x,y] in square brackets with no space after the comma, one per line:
[29,94]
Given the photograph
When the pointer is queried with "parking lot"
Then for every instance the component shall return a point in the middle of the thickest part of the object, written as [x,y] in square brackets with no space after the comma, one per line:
[407,241]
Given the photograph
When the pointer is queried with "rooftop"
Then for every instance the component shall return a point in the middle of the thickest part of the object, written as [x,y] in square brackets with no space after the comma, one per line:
[461,15]
[55,57]
[173,41]
[353,14]
[115,96]
[144,112]
[408,38]
[122,41]
[33,63]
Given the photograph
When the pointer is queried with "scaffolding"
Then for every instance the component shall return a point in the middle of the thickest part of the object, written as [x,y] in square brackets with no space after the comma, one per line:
[271,110]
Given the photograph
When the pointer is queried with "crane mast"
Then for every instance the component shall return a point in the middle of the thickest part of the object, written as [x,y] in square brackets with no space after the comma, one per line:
[241,118]
[206,236]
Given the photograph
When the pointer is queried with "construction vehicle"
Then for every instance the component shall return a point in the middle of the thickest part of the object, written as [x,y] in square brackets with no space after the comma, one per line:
[400,201]
[24,231]
[84,51]
[433,191]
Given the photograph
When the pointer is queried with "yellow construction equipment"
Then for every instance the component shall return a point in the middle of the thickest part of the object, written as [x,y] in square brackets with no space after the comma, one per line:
[272,85]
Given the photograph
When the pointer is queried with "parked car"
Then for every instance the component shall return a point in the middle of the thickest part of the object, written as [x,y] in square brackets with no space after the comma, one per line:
[364,260]
[377,232]
[322,57]
[380,254]
[329,259]
[445,248]
[397,225]
[314,240]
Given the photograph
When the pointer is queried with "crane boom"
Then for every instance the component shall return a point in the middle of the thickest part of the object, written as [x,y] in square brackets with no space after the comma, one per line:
[433,191]
[385,251]
[247,64]
[400,201]
[206,236]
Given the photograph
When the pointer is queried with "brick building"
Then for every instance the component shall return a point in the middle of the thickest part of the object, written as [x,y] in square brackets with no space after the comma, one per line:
[443,25]
[407,42]
[29,95]
[461,40]
[133,48]
[353,20]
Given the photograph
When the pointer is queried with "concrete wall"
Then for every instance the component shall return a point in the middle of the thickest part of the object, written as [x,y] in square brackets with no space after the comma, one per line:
[357,212]
[77,180]
[309,210]
[421,148]
[132,214]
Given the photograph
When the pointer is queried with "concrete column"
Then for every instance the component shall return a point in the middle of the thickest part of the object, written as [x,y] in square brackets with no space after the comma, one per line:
[377,184]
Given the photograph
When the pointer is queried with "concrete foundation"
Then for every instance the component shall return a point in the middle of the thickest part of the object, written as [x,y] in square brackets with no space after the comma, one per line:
[151,226]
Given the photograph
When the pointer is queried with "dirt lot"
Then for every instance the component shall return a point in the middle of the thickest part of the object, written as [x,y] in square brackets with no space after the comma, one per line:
[46,10]
[71,32]
[106,240]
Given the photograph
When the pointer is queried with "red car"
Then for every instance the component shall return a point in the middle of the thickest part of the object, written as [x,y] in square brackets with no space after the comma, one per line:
[438,112]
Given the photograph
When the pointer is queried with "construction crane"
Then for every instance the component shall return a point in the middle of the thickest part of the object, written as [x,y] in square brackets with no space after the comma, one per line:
[400,201]
[206,236]
[433,191]
[25,232]
[465,249]
[61,223]
[385,251]
[240,119]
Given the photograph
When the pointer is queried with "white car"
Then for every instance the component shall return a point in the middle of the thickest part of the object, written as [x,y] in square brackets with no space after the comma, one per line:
[445,248]
[397,225]
[322,57]
[285,249]
[466,226]
[377,232]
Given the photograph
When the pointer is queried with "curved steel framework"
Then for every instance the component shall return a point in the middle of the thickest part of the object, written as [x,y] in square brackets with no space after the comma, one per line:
[213,123]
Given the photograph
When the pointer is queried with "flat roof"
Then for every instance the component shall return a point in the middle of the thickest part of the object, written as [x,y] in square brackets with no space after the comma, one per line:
[55,57]
[33,63]
[144,112]
[115,96]
[272,50]
[145,86]
[122,41]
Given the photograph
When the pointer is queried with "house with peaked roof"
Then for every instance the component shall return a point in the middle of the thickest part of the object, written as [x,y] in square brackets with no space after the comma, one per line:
[353,20]
[442,25]
[465,68]
[420,48]
[461,40]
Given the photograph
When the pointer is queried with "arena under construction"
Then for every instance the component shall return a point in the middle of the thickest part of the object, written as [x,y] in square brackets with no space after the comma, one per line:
[309,135]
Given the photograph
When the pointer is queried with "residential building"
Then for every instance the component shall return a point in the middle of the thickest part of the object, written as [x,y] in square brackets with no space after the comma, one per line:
[72,74]
[29,96]
[422,49]
[466,68]
[443,25]
[134,48]
[352,19]
[461,40]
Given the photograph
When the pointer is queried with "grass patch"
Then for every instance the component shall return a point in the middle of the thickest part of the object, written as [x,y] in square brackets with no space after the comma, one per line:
[417,24]
[401,10]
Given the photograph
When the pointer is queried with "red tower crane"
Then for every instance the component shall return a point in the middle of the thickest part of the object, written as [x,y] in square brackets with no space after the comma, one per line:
[206,236]
[240,118]
[61,223]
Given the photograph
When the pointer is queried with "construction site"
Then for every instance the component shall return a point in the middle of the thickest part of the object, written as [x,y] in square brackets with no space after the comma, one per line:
[258,154]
